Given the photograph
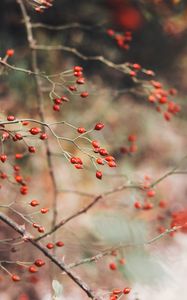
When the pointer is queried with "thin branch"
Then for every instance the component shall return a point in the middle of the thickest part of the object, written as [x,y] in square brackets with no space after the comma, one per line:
[67,26]
[31,42]
[123,67]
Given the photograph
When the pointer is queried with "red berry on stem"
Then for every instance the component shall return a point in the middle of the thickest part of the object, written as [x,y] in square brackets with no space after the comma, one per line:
[32,269]
[81,130]
[3,157]
[43,136]
[35,130]
[10,118]
[99,174]
[39,262]
[95,144]
[44,210]
[50,245]
[78,69]
[18,155]
[84,94]
[99,126]
[59,244]
[112,266]
[15,277]
[151,193]
[126,290]
[32,149]
[56,107]
[10,52]
[41,229]
[34,203]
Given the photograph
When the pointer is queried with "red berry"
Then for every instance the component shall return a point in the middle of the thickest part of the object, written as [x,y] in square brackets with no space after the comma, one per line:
[16,168]
[17,136]
[99,174]
[10,52]
[19,178]
[110,32]
[132,73]
[78,166]
[3,158]
[57,101]
[78,69]
[112,266]
[99,126]
[32,149]
[133,148]
[167,116]
[116,292]
[35,130]
[24,190]
[18,155]
[25,123]
[64,98]
[73,160]
[10,118]
[148,206]
[109,158]
[162,203]
[78,74]
[84,94]
[44,210]
[80,80]
[33,269]
[112,164]
[122,261]
[72,88]
[151,193]
[103,152]
[100,161]
[41,229]
[95,144]
[137,204]
[126,290]
[39,262]
[34,203]
[59,244]
[136,66]
[56,107]
[81,130]
[15,277]
[43,136]
[50,245]
[132,138]
[35,225]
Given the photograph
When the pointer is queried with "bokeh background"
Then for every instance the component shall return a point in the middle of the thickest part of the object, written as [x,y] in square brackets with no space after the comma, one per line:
[159,31]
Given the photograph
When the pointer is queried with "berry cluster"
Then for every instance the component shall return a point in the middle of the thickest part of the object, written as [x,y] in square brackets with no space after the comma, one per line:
[73,88]
[123,40]
[40,5]
[132,147]
[156,93]
[117,293]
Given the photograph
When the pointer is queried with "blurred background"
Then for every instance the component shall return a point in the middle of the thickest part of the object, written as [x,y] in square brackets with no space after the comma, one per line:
[159,43]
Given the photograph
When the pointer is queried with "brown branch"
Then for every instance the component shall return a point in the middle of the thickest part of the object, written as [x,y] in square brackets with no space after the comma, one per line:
[27,236]
[32,42]
[67,26]
[123,67]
